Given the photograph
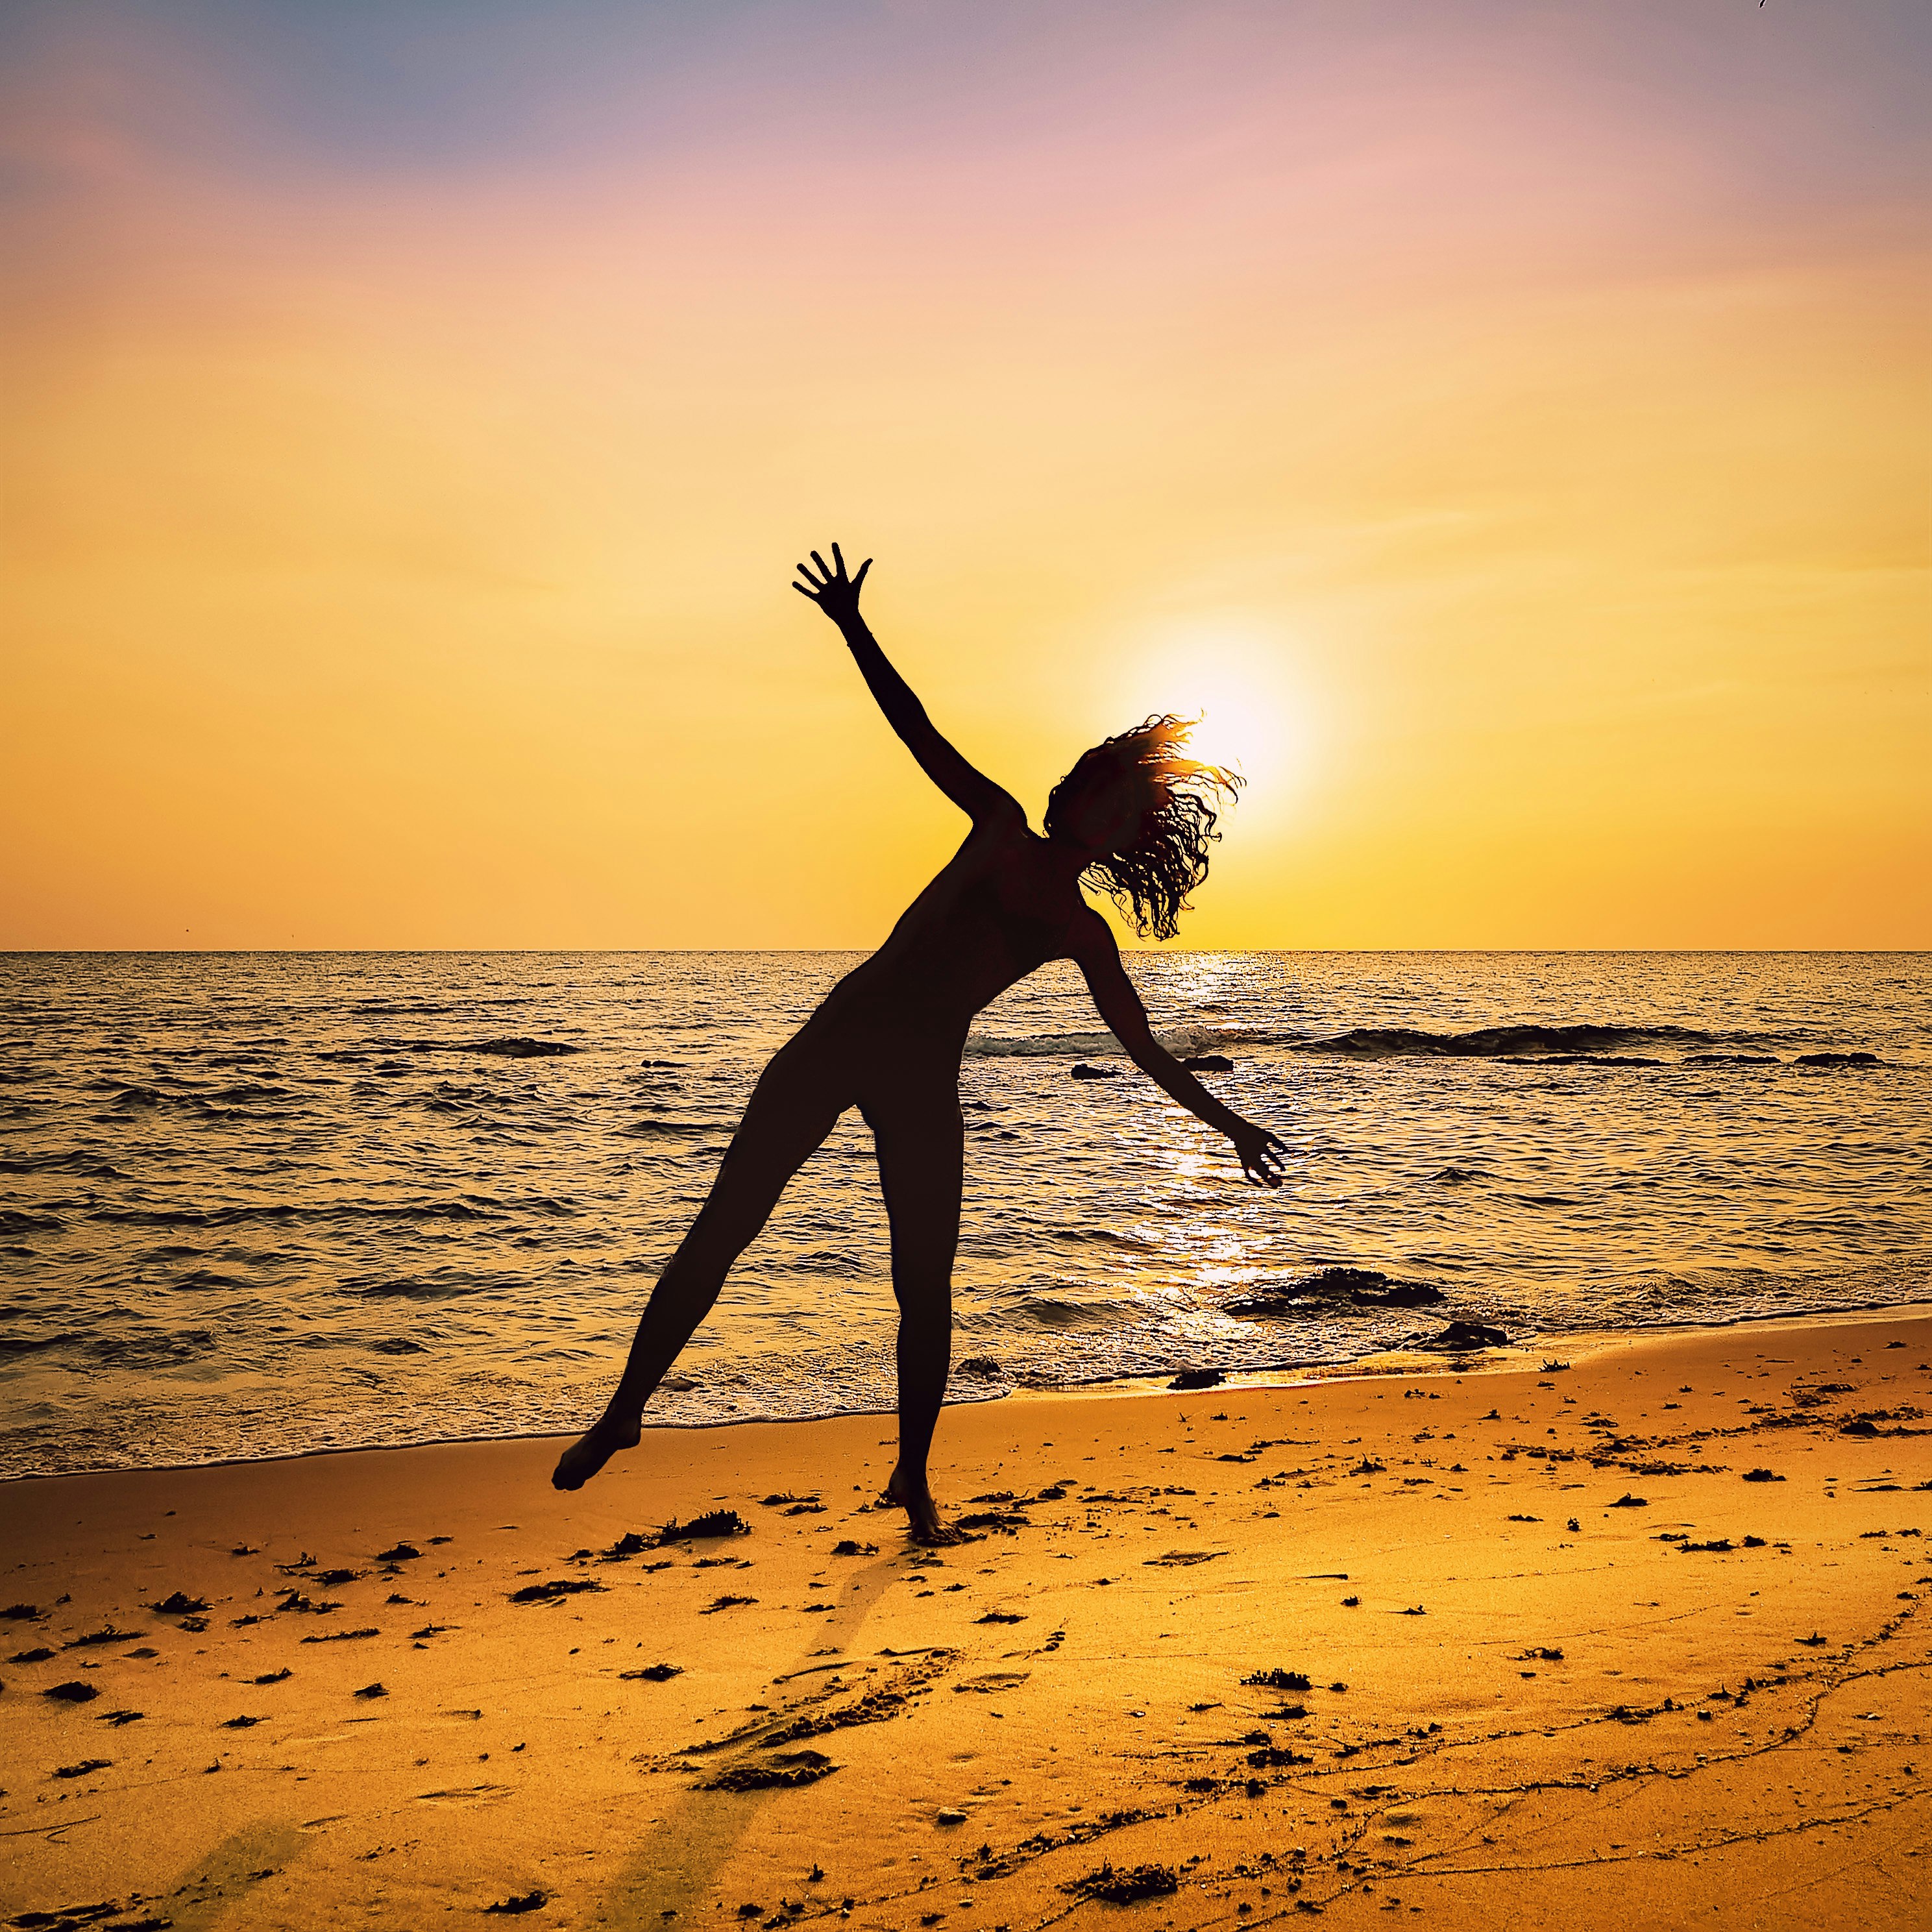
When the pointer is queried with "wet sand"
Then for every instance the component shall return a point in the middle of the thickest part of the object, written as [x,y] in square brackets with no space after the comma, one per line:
[1483,1648]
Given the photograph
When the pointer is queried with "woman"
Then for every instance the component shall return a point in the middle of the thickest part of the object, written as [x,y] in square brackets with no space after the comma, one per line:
[1132,819]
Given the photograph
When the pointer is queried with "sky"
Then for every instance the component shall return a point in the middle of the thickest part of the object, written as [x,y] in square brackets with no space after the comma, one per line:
[1507,423]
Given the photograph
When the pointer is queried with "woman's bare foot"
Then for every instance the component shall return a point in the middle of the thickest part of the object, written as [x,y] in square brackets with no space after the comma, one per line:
[912,1495]
[591,1450]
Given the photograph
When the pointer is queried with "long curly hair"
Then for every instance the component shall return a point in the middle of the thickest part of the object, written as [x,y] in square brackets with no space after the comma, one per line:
[1151,879]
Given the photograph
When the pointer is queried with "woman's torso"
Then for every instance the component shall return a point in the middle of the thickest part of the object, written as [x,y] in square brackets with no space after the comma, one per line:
[999,908]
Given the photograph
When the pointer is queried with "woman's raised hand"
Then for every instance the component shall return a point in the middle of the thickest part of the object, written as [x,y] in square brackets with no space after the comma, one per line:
[1259,1152]
[830,588]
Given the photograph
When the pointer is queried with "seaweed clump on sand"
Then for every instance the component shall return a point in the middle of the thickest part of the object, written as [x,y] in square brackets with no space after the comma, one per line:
[783,1770]
[713,1522]
[1126,1885]
[1279,1680]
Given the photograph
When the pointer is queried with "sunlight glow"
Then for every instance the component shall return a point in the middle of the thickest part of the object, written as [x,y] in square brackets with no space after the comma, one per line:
[1250,719]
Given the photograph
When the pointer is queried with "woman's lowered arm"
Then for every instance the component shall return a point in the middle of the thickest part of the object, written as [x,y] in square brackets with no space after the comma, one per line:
[837,596]
[1119,1005]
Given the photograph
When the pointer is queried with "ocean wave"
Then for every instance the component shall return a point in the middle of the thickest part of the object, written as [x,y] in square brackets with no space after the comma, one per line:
[478,1207]
[1581,1039]
[1504,1042]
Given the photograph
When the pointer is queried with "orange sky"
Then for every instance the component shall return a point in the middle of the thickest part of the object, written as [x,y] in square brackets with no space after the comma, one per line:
[1510,421]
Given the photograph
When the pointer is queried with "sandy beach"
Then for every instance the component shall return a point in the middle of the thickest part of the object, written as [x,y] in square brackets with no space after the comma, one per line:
[1638,1641]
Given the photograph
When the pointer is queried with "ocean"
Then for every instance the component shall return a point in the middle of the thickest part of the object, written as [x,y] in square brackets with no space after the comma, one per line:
[257,1203]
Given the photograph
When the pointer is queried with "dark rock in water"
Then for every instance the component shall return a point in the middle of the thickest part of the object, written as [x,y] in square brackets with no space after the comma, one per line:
[1352,1287]
[983,1367]
[1837,1060]
[1209,1062]
[1730,1059]
[1082,1071]
[1197,1379]
[1402,1295]
[1459,1335]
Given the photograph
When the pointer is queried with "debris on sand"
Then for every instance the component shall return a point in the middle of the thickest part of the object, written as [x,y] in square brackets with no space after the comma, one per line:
[275,1677]
[848,1548]
[1005,1521]
[73,1692]
[81,1770]
[376,1689]
[398,1552]
[106,1634]
[528,1901]
[656,1673]
[179,1603]
[783,1770]
[39,1656]
[342,1636]
[1001,1617]
[1279,1680]
[713,1522]
[1181,1559]
[243,1724]
[1761,1476]
[725,1604]
[1125,1886]
[544,1593]
[1626,1501]
[20,1612]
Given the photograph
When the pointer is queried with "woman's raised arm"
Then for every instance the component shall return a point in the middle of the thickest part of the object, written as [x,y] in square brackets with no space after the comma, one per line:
[837,596]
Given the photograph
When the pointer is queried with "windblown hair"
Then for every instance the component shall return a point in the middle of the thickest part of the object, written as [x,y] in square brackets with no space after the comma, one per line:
[1151,879]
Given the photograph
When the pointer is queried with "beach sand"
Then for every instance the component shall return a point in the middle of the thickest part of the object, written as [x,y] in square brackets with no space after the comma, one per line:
[1548,1655]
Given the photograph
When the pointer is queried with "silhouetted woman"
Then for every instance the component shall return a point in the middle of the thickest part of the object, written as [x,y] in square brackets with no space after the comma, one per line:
[1132,819]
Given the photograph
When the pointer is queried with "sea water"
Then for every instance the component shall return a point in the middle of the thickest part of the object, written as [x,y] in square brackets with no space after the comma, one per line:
[257,1203]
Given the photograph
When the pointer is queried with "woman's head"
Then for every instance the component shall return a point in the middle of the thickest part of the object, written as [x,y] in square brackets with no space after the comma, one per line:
[1146,815]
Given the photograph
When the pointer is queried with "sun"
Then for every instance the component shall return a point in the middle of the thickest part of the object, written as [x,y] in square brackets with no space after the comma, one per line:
[1238,687]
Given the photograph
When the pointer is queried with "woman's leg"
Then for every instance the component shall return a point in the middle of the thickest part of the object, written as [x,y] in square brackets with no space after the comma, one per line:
[921,1141]
[796,1103]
